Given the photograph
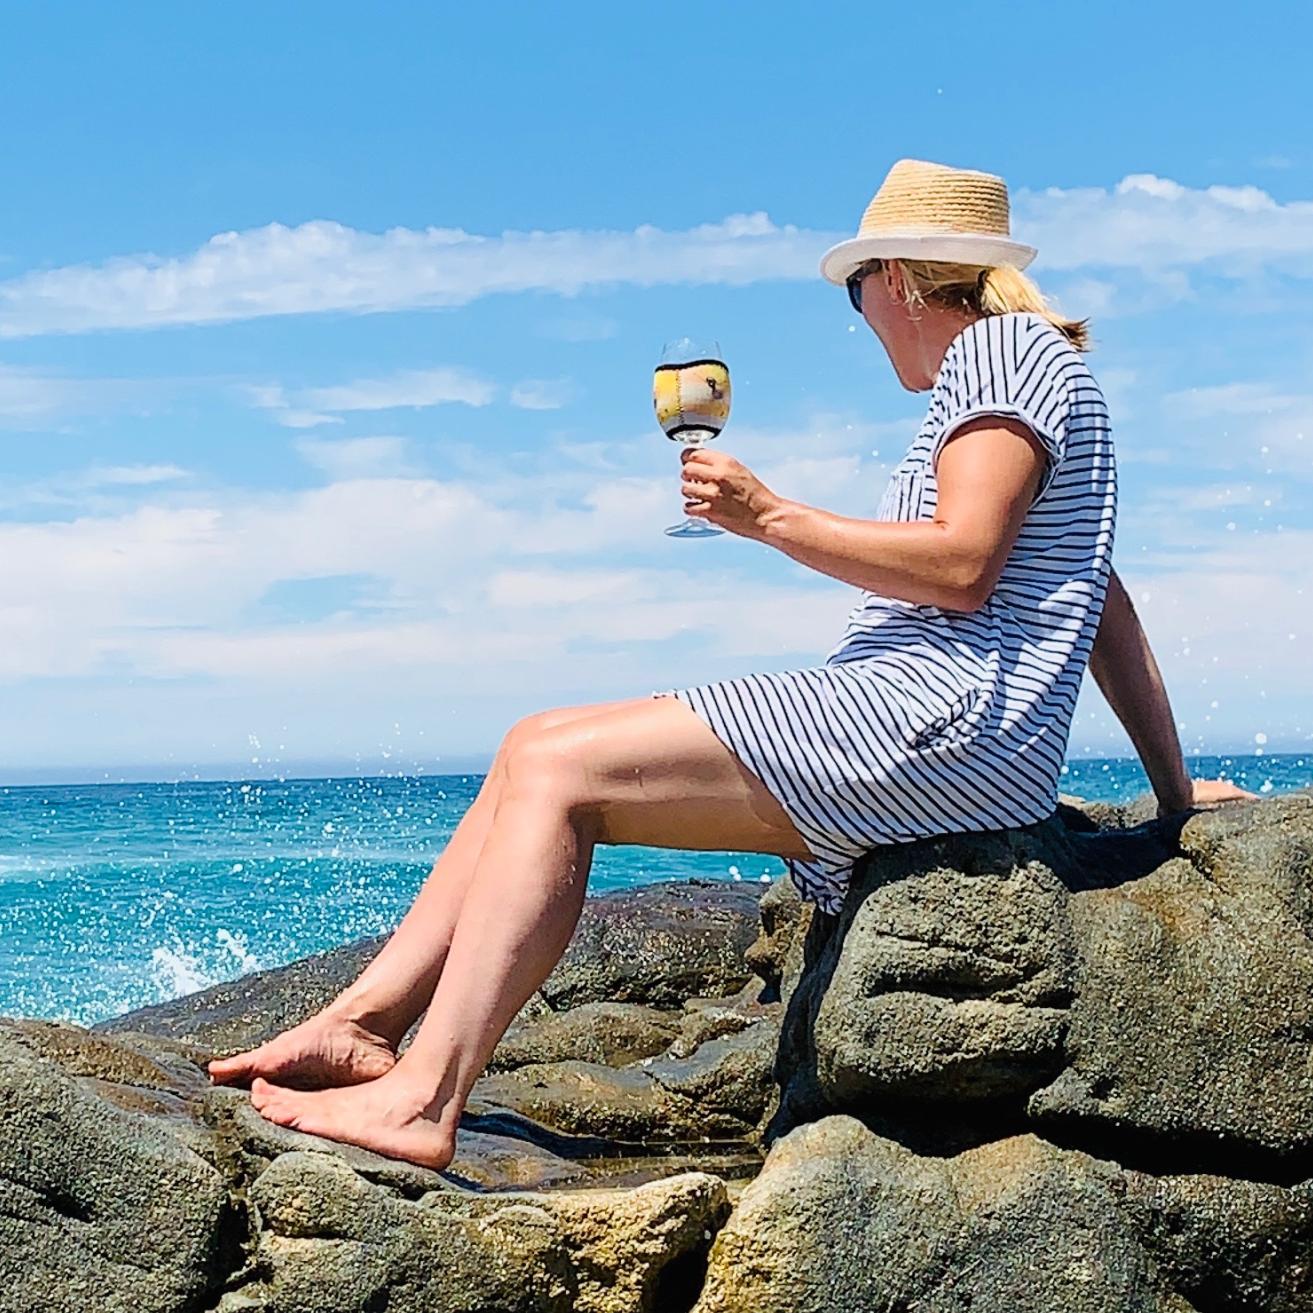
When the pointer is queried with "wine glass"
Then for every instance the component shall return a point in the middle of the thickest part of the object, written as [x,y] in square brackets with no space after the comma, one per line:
[690,392]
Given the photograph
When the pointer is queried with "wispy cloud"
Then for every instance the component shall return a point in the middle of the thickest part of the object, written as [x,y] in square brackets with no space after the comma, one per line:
[357,458]
[542,393]
[1254,424]
[414,389]
[1145,222]
[93,490]
[325,266]
[132,476]
[1155,225]
[41,399]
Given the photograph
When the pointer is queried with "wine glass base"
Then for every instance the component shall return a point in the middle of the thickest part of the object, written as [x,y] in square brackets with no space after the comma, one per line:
[694,529]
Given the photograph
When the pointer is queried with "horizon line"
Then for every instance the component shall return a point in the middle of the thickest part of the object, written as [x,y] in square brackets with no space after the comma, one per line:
[475,764]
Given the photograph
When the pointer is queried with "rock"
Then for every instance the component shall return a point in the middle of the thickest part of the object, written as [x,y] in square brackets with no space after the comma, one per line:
[944,980]
[776,953]
[610,1033]
[1190,1033]
[658,945]
[730,1074]
[708,1019]
[507,1162]
[331,1243]
[98,1208]
[624,1106]
[1154,986]
[843,1221]
[1227,1244]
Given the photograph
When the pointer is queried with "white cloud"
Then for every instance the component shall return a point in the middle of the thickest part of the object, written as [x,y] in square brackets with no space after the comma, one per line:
[1156,225]
[26,395]
[542,393]
[98,488]
[515,591]
[356,458]
[133,476]
[39,399]
[415,388]
[1146,223]
[325,266]
[273,397]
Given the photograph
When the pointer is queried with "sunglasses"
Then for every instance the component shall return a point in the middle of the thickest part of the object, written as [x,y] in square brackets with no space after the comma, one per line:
[855,282]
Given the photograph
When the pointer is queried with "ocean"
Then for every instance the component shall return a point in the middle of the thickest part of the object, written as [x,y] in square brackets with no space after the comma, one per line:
[113,896]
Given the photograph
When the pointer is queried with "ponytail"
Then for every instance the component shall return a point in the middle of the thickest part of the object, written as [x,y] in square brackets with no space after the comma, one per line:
[1004,290]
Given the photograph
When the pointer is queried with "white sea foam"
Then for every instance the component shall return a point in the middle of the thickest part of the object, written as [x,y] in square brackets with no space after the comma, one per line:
[176,972]
[236,945]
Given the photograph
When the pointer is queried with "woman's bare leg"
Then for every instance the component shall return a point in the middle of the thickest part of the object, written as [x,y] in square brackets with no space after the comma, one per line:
[355,1037]
[648,773]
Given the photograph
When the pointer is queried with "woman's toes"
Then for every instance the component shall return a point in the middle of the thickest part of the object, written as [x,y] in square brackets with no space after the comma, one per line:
[223,1070]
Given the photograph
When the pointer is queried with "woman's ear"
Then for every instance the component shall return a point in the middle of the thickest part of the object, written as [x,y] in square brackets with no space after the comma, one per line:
[894,282]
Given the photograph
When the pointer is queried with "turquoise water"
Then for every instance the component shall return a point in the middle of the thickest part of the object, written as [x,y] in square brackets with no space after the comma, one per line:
[114,896]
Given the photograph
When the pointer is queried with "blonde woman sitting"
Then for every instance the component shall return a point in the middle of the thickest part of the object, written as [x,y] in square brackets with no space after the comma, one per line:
[986,588]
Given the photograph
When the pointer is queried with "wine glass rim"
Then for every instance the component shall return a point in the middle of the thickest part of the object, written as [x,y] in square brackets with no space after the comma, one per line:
[698,342]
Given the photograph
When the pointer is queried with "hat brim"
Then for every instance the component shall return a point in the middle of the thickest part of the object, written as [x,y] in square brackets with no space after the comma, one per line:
[955,248]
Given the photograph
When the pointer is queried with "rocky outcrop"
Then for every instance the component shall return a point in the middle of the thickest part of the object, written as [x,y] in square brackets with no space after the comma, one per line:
[100,1208]
[842,1218]
[1102,988]
[1068,1067]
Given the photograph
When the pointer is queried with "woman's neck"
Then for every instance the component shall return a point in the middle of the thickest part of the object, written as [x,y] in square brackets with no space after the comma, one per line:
[937,331]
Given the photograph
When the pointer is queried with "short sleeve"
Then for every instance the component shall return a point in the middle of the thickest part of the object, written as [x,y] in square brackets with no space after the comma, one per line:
[1008,365]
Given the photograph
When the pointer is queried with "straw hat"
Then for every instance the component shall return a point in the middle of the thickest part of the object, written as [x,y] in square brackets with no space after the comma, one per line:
[931,212]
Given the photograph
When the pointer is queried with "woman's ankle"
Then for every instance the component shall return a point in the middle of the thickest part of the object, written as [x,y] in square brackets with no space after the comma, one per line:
[386,1018]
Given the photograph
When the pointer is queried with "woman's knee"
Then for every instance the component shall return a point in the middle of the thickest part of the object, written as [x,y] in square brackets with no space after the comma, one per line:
[520,733]
[545,761]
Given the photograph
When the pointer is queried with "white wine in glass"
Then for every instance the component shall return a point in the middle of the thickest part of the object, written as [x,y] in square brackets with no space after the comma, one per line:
[691,395]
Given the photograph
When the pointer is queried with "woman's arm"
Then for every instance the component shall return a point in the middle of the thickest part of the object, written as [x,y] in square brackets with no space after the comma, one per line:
[1124,668]
[985,486]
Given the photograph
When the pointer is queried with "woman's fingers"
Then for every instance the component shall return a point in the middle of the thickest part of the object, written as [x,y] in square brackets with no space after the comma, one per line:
[1208,792]
[699,489]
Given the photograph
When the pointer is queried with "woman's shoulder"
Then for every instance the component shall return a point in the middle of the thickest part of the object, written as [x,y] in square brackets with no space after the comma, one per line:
[1002,339]
[1017,345]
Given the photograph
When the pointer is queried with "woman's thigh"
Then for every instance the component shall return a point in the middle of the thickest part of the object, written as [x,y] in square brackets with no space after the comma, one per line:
[650,771]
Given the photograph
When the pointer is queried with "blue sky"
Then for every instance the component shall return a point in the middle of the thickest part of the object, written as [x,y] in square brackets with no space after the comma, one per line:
[326,333]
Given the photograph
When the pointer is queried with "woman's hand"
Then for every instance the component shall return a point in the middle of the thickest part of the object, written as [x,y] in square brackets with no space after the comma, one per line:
[1208,793]
[720,489]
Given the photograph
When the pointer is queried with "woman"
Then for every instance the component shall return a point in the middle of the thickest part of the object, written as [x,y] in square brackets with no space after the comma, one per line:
[944,707]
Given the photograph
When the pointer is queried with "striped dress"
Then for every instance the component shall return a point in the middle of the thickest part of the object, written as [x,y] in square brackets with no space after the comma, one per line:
[923,720]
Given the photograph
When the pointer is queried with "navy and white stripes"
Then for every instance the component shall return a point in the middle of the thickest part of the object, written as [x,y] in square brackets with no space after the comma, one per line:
[925,721]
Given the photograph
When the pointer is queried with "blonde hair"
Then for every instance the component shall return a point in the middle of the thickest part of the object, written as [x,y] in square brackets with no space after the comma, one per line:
[985,290]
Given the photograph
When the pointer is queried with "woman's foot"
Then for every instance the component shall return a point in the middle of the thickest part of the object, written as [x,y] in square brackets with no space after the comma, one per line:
[324,1051]
[390,1116]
